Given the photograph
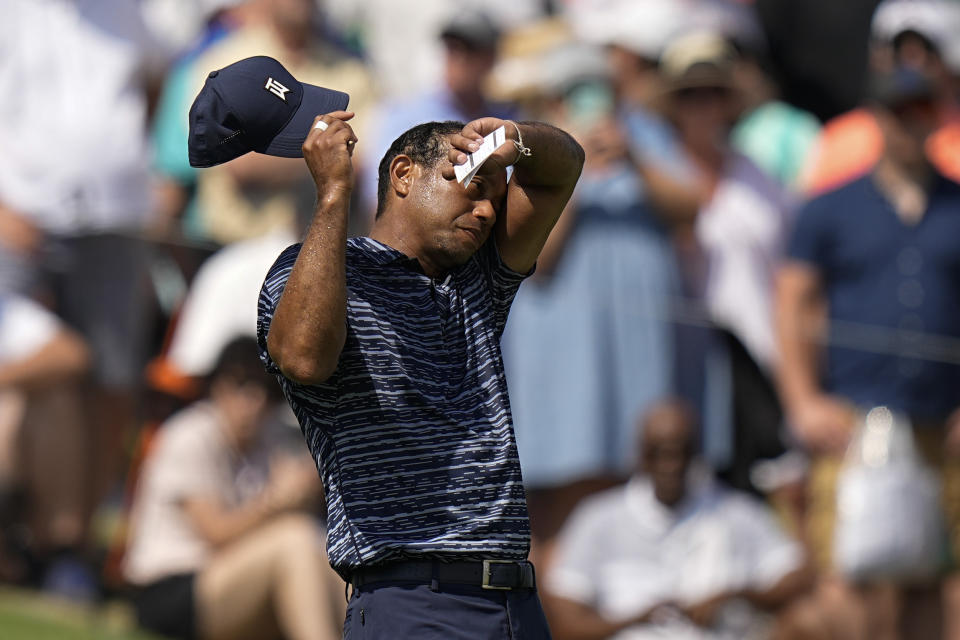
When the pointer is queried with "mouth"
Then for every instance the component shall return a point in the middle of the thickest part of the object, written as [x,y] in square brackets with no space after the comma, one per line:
[474,233]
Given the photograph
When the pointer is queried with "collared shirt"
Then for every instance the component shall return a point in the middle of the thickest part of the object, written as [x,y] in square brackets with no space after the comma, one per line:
[73,113]
[622,552]
[412,433]
[893,291]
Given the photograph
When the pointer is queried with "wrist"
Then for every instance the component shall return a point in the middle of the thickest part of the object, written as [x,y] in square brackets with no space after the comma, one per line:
[799,396]
[522,150]
[333,196]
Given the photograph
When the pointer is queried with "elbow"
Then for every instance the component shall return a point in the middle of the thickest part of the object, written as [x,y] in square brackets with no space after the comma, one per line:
[304,366]
[580,156]
[307,372]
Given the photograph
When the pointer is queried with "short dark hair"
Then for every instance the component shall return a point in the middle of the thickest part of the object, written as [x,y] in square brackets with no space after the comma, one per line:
[426,144]
[239,362]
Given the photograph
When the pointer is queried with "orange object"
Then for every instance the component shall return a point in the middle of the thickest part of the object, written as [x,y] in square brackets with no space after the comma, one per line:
[943,149]
[850,145]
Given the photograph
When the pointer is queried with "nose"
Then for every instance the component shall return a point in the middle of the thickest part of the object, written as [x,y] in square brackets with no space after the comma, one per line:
[484,211]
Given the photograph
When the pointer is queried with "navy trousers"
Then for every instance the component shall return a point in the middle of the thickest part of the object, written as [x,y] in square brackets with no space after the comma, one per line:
[403,611]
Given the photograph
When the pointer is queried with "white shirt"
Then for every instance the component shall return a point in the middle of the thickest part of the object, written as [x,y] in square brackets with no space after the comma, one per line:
[73,113]
[25,327]
[622,552]
[222,302]
[742,231]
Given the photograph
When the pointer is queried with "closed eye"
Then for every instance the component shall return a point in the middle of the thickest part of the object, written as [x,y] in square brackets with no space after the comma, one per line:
[480,188]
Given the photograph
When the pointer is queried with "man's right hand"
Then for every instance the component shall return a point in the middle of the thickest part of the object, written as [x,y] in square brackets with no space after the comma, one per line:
[824,423]
[328,153]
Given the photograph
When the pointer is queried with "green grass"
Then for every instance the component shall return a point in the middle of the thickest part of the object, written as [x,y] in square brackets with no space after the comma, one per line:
[26,615]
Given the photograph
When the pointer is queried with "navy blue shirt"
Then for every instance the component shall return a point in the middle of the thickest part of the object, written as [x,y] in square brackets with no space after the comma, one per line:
[412,433]
[894,296]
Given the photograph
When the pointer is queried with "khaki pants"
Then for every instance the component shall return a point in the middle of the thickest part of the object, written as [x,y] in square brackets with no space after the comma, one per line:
[274,580]
[822,495]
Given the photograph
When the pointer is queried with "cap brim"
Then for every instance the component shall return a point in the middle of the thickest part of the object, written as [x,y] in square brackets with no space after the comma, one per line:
[316,101]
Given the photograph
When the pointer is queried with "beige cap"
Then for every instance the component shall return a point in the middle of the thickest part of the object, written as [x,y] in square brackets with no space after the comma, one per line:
[699,59]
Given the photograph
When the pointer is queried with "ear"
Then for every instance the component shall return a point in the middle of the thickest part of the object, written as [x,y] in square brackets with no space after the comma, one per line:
[401,175]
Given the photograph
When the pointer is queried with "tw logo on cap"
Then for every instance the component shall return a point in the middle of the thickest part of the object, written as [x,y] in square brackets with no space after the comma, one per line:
[276,89]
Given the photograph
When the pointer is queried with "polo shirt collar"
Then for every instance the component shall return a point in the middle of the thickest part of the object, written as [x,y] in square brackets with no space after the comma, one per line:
[384,254]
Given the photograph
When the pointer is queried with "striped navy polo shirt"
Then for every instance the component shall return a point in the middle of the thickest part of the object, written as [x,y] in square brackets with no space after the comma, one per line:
[412,433]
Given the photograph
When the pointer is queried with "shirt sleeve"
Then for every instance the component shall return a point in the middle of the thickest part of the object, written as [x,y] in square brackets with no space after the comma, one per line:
[183,465]
[502,282]
[270,294]
[25,328]
[769,553]
[808,241]
[577,557]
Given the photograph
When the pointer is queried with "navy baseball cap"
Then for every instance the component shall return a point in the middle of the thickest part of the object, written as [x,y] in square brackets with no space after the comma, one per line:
[255,105]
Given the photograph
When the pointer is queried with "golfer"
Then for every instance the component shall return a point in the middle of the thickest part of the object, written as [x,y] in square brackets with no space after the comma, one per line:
[387,349]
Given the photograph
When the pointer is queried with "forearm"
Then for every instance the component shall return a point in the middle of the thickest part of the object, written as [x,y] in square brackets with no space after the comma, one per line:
[674,201]
[309,329]
[64,357]
[555,159]
[783,592]
[576,621]
[219,526]
[799,313]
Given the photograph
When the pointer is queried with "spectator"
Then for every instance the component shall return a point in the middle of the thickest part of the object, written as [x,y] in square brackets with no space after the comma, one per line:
[256,194]
[918,34]
[74,189]
[588,344]
[775,135]
[43,458]
[220,546]
[175,181]
[399,42]
[728,256]
[874,262]
[671,554]
[470,40]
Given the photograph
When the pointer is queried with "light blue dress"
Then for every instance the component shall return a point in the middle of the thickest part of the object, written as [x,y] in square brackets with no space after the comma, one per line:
[589,349]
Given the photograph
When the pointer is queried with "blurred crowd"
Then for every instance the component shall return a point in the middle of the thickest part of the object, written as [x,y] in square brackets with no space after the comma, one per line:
[734,375]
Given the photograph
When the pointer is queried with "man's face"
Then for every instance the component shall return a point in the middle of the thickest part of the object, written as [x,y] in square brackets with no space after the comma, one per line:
[452,221]
[243,405]
[466,68]
[703,114]
[906,128]
[666,454]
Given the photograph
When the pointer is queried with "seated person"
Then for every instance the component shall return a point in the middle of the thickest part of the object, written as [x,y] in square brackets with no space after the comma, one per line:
[220,545]
[43,466]
[670,554]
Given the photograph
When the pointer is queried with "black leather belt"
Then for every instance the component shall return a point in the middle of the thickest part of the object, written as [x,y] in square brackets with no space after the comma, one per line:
[487,574]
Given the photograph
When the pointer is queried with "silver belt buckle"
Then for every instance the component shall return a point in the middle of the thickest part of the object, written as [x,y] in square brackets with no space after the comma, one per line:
[486,574]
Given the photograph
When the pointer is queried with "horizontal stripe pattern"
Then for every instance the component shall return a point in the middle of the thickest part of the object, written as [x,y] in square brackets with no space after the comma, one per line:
[412,433]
